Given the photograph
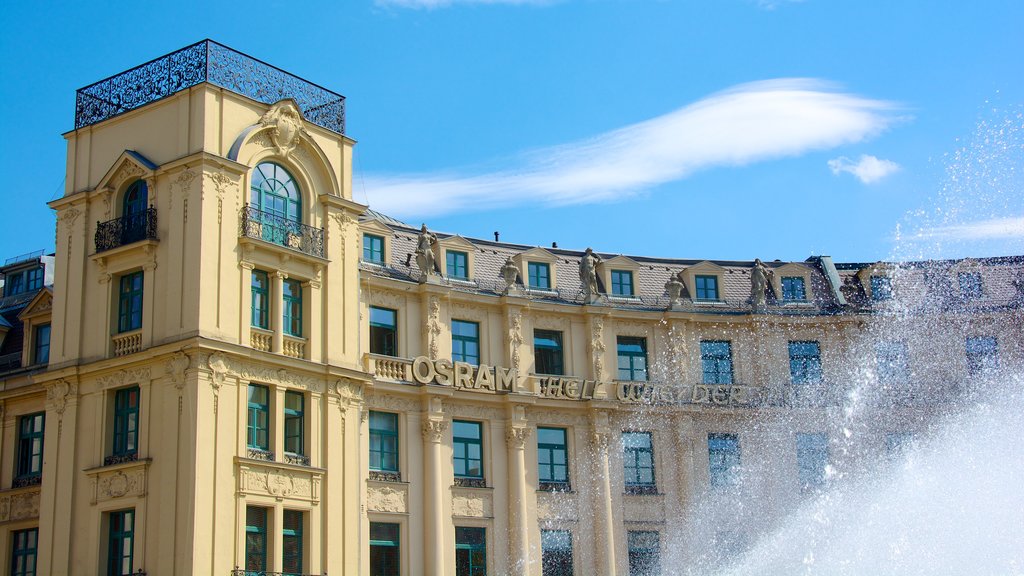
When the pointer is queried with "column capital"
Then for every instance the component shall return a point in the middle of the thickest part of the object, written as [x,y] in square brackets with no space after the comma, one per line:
[433,430]
[517,436]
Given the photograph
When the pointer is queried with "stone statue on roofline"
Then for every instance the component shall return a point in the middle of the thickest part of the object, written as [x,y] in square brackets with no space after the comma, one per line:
[425,253]
[588,275]
[760,276]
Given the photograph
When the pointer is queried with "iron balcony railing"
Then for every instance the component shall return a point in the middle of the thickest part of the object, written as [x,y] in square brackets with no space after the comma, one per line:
[28,480]
[206,61]
[241,572]
[126,229]
[278,229]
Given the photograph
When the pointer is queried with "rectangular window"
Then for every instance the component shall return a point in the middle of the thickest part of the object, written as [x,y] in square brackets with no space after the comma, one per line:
[793,289]
[970,285]
[383,331]
[129,302]
[811,459]
[126,424]
[385,549]
[467,449]
[31,430]
[260,300]
[723,459]
[33,279]
[539,275]
[632,358]
[383,442]
[373,248]
[470,551]
[552,459]
[14,284]
[547,352]
[41,344]
[644,553]
[898,442]
[881,288]
[804,362]
[638,461]
[892,362]
[294,423]
[292,299]
[24,545]
[457,264]
[255,539]
[258,428]
[120,543]
[556,552]
[465,342]
[982,355]
[707,287]
[622,283]
[716,361]
[291,543]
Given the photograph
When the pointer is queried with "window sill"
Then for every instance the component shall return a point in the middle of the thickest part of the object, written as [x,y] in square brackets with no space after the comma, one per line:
[118,466]
[382,476]
[642,490]
[470,482]
[259,454]
[115,459]
[27,481]
[296,459]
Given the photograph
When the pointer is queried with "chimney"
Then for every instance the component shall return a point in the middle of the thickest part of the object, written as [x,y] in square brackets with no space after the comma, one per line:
[496,234]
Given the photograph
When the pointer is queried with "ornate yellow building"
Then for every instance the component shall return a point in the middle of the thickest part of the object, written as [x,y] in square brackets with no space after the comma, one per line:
[250,373]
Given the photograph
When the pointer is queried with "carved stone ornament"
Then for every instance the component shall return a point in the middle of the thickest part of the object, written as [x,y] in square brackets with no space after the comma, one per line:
[284,126]
[509,273]
[268,481]
[185,179]
[218,364]
[67,217]
[119,483]
[57,395]
[19,505]
[123,378]
[515,335]
[760,276]
[433,326]
[588,275]
[674,288]
[517,436]
[434,430]
[387,499]
[425,253]
[597,347]
[471,504]
[176,367]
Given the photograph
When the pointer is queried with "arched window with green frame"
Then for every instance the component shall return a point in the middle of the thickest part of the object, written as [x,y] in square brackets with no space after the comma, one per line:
[276,202]
[133,212]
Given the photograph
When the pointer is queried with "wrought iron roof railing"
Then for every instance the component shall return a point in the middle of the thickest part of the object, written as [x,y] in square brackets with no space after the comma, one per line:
[206,61]
[277,229]
[126,230]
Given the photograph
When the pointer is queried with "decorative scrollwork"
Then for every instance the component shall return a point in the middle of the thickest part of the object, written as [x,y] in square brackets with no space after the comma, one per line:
[206,61]
[126,230]
[280,230]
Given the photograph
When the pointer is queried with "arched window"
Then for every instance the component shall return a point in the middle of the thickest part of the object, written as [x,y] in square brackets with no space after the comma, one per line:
[275,193]
[134,215]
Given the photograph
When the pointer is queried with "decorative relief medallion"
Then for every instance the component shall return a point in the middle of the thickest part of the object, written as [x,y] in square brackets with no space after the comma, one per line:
[279,483]
[119,483]
[185,179]
[19,505]
[57,394]
[176,367]
[472,504]
[387,499]
[284,126]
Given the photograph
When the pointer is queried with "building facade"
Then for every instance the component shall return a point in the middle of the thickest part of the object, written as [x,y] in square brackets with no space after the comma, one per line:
[248,372]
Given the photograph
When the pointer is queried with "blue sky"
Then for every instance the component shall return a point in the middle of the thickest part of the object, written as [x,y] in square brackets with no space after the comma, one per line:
[728,129]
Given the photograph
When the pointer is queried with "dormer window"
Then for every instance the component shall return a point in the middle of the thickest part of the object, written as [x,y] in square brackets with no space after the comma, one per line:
[457,265]
[539,274]
[793,289]
[373,248]
[706,287]
[622,283]
[881,288]
[23,281]
[970,285]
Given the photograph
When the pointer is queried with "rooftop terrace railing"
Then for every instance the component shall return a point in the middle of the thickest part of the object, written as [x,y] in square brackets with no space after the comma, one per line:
[206,61]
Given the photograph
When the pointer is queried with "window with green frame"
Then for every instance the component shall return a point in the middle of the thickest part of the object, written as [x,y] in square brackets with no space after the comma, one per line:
[383,331]
[34,279]
[292,299]
[632,352]
[129,302]
[467,449]
[552,459]
[644,552]
[14,283]
[793,289]
[255,539]
[638,462]
[24,549]
[707,287]
[126,424]
[465,341]
[276,198]
[547,352]
[723,459]
[622,283]
[41,344]
[804,362]
[373,248]
[470,551]
[260,299]
[716,361]
[385,549]
[556,553]
[294,423]
[31,432]
[291,543]
[258,428]
[120,542]
[384,442]
[457,264]
[539,275]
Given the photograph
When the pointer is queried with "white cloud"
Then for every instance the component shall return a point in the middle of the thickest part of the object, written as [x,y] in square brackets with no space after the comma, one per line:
[431,4]
[773,4]
[1006,228]
[868,169]
[748,123]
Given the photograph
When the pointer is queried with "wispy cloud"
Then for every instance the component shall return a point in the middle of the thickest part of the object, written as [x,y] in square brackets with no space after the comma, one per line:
[748,123]
[868,169]
[1006,228]
[773,4]
[431,4]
